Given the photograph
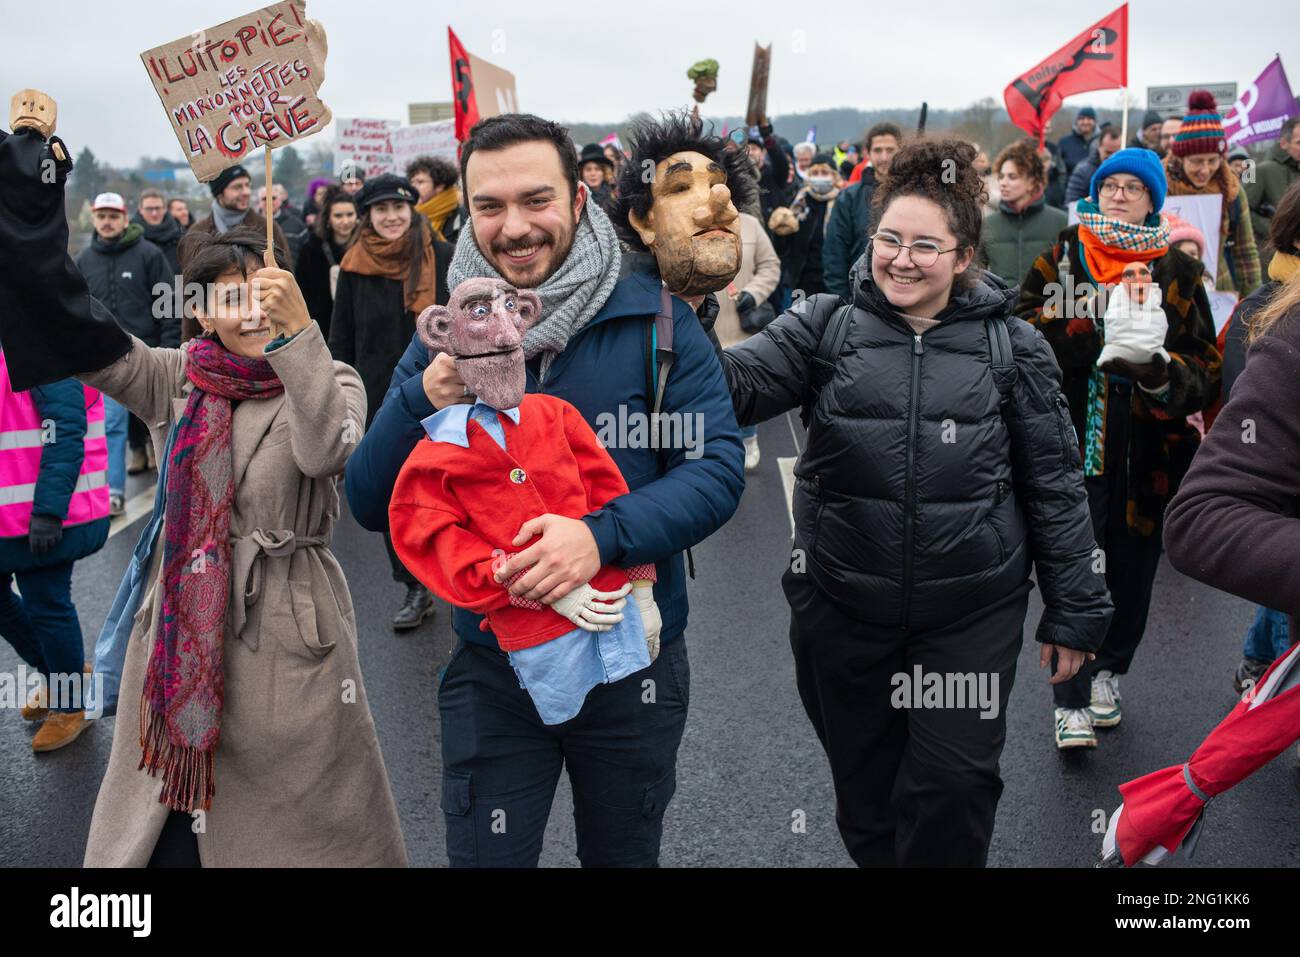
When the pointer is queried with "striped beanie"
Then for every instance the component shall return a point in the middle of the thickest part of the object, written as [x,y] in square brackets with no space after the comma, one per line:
[1202,129]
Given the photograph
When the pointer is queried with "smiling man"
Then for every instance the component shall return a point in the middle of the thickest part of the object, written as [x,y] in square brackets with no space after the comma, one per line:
[533,224]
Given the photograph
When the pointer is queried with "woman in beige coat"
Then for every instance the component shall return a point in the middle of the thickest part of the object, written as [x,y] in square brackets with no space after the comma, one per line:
[760,271]
[270,756]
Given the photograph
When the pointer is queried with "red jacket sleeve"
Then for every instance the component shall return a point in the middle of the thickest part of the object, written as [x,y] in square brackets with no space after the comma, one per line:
[430,537]
[599,473]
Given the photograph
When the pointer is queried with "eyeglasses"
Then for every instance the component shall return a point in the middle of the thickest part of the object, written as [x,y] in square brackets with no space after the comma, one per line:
[923,252]
[1131,190]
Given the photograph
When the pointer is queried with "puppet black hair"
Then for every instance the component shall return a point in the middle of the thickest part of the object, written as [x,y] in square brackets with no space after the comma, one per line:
[656,140]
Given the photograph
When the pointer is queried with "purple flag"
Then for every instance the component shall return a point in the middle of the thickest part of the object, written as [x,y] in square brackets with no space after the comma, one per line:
[1262,108]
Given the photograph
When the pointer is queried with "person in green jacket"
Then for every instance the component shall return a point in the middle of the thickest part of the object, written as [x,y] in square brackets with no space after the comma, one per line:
[1271,179]
[1023,224]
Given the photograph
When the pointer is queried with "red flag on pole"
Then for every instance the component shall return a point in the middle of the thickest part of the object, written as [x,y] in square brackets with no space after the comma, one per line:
[462,88]
[1097,59]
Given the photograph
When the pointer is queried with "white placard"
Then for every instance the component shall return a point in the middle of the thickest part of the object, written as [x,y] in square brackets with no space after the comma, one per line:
[423,139]
[364,144]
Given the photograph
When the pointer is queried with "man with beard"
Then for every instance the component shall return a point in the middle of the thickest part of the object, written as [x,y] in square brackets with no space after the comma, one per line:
[532,224]
[159,227]
[232,196]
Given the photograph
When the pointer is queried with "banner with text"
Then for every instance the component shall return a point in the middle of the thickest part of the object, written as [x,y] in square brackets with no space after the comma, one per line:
[364,145]
[250,82]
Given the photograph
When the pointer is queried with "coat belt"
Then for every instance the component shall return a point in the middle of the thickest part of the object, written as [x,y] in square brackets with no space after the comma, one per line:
[247,554]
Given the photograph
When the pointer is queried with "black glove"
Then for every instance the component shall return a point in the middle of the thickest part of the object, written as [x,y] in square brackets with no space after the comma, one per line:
[745,302]
[45,533]
[1152,375]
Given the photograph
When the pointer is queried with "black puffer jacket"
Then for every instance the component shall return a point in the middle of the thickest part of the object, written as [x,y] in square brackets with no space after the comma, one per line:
[132,278]
[917,501]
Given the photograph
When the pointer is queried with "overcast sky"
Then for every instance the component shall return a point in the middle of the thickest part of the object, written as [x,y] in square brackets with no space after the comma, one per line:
[620,57]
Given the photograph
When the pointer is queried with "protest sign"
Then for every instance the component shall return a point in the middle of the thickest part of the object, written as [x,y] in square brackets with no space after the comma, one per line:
[364,145]
[756,106]
[1262,108]
[423,139]
[1205,213]
[1221,306]
[247,83]
[494,88]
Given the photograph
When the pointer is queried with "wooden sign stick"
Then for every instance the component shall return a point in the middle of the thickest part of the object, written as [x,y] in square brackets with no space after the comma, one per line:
[267,210]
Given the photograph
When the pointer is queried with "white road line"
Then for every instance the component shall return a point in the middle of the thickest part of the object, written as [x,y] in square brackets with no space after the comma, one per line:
[136,508]
[794,436]
[786,466]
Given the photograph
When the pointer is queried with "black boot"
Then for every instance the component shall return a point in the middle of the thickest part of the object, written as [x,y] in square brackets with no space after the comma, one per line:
[417,606]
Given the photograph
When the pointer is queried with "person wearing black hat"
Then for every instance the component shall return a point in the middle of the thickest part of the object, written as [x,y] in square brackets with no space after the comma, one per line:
[232,194]
[1148,135]
[393,269]
[597,172]
[799,230]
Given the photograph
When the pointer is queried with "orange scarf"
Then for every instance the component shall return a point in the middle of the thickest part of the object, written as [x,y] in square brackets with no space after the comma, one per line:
[1106,263]
[372,255]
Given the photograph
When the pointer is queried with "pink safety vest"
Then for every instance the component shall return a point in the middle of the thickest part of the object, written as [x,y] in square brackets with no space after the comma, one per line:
[23,436]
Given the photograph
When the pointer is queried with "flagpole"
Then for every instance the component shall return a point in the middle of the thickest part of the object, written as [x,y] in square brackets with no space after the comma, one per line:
[1123,127]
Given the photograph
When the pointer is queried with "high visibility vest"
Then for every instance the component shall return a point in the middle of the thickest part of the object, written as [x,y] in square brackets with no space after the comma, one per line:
[23,437]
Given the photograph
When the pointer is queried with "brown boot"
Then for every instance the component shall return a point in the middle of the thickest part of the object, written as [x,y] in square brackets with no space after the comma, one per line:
[61,728]
[37,706]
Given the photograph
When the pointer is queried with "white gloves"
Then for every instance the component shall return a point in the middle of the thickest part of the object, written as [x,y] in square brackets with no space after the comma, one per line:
[1134,331]
[593,610]
[644,596]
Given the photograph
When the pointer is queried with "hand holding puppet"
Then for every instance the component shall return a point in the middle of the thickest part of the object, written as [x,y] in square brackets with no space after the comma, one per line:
[486,469]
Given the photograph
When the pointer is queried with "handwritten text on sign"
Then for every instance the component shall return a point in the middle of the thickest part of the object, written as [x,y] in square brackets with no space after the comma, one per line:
[248,83]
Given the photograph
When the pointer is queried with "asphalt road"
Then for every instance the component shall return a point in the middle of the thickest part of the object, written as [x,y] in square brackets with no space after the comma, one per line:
[749,762]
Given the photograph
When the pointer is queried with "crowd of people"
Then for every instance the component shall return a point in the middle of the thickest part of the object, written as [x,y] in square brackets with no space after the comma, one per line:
[888,290]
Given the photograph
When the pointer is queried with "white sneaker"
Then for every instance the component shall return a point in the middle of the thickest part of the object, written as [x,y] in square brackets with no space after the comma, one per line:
[1104,709]
[751,453]
[1074,729]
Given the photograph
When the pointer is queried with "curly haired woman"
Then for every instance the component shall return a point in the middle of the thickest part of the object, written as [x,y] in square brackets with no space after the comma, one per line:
[939,467]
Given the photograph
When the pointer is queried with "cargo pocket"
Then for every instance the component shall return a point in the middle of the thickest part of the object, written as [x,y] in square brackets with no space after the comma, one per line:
[304,613]
[657,796]
[458,809]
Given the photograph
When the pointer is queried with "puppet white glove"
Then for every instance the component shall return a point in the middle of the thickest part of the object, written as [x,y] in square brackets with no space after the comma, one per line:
[592,610]
[644,596]
[1134,331]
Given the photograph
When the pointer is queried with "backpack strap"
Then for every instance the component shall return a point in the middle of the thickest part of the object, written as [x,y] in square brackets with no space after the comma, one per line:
[1001,358]
[659,359]
[822,367]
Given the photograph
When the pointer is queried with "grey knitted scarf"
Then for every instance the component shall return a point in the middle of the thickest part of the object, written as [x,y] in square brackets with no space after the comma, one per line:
[227,219]
[572,295]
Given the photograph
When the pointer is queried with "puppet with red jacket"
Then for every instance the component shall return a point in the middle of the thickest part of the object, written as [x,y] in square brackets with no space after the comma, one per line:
[486,469]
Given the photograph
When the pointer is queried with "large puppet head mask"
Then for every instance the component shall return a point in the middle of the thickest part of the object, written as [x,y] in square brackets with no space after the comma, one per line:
[34,109]
[483,326]
[676,201]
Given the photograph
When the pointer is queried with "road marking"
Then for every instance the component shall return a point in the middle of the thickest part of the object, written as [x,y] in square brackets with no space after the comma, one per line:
[786,466]
[137,507]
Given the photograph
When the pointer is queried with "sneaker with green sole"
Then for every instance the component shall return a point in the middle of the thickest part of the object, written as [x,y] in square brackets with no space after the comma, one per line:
[1074,729]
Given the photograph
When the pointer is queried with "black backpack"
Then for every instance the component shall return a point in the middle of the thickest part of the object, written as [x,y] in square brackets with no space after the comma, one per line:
[822,367]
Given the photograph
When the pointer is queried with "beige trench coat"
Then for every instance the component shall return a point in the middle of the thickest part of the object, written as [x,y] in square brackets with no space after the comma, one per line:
[760,271]
[299,777]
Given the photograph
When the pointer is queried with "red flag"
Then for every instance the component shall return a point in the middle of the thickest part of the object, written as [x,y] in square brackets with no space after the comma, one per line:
[1097,59]
[462,88]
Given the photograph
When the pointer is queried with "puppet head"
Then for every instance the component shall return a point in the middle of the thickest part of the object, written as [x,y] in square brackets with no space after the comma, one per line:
[705,75]
[676,201]
[34,109]
[483,326]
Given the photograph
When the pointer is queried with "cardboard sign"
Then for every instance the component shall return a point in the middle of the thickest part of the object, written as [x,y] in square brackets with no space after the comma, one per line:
[756,110]
[247,83]
[494,88]
[423,139]
[364,144]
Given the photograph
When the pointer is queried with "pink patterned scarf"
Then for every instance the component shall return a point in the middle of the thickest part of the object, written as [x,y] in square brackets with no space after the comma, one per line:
[180,711]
